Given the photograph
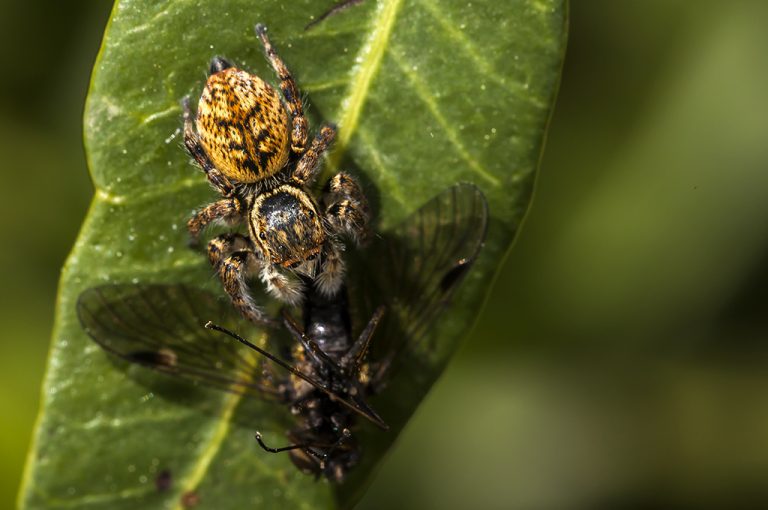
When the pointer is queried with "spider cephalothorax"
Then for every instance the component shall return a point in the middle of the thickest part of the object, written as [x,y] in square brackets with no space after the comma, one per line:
[252,145]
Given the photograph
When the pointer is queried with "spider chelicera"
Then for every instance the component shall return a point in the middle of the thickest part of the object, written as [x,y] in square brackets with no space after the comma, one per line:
[252,145]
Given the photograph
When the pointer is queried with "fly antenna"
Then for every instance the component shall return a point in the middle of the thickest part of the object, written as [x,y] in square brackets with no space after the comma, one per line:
[301,375]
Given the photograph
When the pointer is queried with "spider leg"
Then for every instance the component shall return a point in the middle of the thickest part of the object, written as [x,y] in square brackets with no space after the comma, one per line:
[192,143]
[227,210]
[224,245]
[289,90]
[331,276]
[346,208]
[308,165]
[233,259]
[284,288]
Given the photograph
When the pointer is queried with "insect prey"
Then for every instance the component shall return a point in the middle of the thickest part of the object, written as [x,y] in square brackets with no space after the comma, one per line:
[330,373]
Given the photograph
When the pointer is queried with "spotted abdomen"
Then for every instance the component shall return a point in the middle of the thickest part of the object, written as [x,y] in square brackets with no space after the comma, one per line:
[243,126]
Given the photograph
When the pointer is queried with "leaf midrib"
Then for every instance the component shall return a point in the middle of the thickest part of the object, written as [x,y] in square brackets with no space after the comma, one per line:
[195,475]
[369,56]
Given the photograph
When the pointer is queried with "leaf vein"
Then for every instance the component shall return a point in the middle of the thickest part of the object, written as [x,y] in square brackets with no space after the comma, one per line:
[150,193]
[464,43]
[367,140]
[97,499]
[208,452]
[369,57]
[324,85]
[159,115]
[423,93]
[117,422]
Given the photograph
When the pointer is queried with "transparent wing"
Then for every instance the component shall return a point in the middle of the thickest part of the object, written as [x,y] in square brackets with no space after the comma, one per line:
[424,261]
[162,327]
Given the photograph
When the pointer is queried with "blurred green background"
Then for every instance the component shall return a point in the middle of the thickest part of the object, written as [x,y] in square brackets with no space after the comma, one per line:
[622,359]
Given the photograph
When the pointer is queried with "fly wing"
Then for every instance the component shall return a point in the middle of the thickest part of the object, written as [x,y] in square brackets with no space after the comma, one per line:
[162,327]
[425,260]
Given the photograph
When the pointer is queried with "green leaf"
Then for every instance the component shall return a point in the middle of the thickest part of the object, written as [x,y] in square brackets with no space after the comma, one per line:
[425,94]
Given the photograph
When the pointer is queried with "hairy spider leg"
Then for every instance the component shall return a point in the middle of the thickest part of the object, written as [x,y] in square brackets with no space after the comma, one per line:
[227,210]
[309,164]
[234,259]
[192,142]
[289,90]
[346,207]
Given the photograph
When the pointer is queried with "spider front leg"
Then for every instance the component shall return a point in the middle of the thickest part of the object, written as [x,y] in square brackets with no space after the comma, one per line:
[289,90]
[192,143]
[286,289]
[309,164]
[234,260]
[227,210]
[346,207]
[332,268]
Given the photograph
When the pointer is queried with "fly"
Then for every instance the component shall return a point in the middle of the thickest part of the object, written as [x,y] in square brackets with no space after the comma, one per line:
[330,374]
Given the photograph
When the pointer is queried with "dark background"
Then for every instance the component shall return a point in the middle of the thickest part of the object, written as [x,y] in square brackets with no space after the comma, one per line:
[621,359]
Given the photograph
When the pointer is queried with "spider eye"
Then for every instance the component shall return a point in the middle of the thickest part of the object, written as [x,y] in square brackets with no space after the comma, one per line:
[263,236]
[312,257]
[311,214]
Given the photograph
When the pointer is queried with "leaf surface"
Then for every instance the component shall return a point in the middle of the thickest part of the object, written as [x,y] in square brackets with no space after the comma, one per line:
[425,93]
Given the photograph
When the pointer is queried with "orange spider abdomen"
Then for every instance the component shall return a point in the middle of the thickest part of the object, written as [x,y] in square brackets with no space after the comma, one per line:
[243,126]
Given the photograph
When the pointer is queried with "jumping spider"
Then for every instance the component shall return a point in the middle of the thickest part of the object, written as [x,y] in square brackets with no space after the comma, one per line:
[252,145]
